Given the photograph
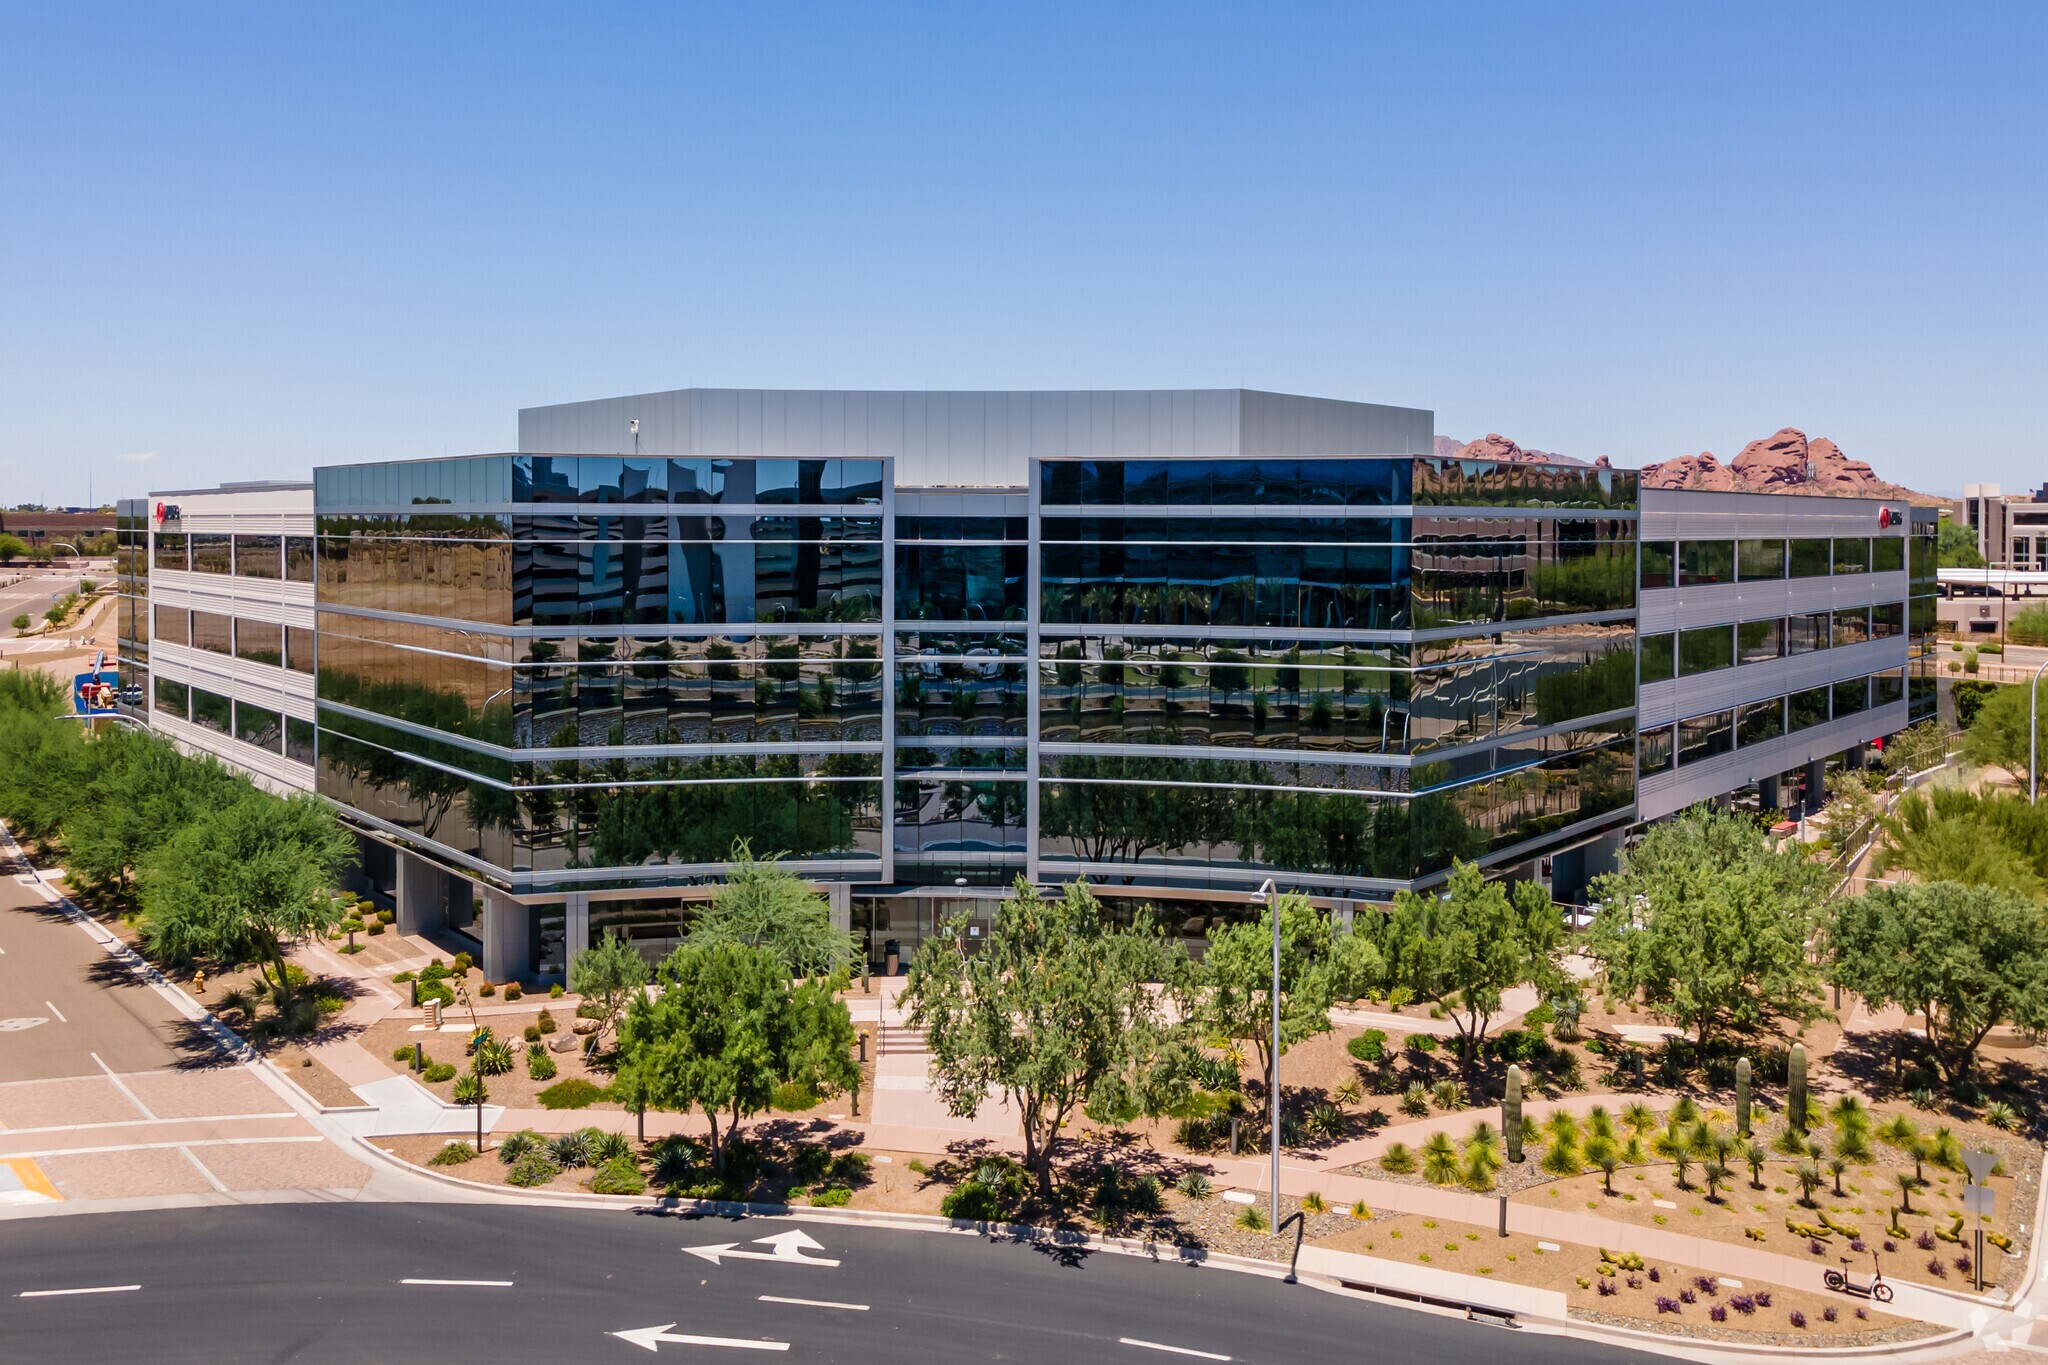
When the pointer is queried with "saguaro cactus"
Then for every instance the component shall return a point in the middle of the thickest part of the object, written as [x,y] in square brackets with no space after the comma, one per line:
[1742,1097]
[1511,1114]
[1795,1089]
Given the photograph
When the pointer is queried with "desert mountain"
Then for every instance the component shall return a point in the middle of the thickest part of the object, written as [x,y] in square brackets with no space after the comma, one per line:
[1786,462]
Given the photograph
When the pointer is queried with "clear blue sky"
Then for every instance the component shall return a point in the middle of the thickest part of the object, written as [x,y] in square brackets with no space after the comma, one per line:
[239,242]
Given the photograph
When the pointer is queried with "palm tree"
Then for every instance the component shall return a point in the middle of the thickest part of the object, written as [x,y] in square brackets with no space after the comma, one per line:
[1715,1174]
[1907,1184]
[1602,1152]
[1836,1165]
[1682,1157]
[1810,1179]
[1754,1157]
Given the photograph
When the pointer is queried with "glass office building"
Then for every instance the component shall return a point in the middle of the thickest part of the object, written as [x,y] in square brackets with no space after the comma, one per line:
[919,645]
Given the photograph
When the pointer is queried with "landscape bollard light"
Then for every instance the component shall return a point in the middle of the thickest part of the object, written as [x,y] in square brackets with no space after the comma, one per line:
[419,1057]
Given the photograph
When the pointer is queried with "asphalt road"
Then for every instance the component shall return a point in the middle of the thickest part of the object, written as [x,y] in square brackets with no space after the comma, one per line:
[50,970]
[33,596]
[326,1282]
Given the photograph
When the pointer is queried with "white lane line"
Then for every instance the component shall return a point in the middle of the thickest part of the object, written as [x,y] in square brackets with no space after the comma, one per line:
[146,1123]
[54,1010]
[60,1293]
[200,1167]
[815,1303]
[464,1284]
[121,1086]
[158,1146]
[1171,1350]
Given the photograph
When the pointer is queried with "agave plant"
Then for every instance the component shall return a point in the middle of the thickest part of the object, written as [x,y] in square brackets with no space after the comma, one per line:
[515,1145]
[604,1146]
[1898,1131]
[2000,1115]
[571,1150]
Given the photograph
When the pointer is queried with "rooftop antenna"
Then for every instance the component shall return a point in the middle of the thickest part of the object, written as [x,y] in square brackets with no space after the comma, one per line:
[634,426]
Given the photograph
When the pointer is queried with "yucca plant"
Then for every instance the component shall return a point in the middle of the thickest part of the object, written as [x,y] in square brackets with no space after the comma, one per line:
[1639,1117]
[1561,1159]
[1809,1177]
[1716,1175]
[1439,1160]
[1754,1157]
[1600,1123]
[1448,1094]
[1606,1157]
[1398,1159]
[1312,1202]
[1479,1166]
[1898,1131]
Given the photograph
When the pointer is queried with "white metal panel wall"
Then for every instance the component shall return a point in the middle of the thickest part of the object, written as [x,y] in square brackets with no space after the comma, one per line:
[1660,703]
[974,439]
[1665,792]
[1711,604]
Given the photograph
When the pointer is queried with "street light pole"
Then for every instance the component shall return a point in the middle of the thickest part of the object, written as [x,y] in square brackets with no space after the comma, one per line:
[1264,896]
[2034,735]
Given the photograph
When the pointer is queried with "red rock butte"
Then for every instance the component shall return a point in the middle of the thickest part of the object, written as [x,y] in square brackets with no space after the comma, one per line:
[1786,462]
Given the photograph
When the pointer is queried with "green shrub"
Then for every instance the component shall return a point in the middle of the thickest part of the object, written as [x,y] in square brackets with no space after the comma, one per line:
[534,1168]
[513,990]
[402,1053]
[831,1197]
[531,1033]
[437,970]
[401,978]
[1369,1046]
[1421,1042]
[540,1066]
[22,622]
[1539,1016]
[546,1023]
[437,1072]
[1195,1185]
[486,990]
[463,962]
[374,928]
[972,1200]
[436,990]
[574,1093]
[1250,1218]
[454,1154]
[1397,1159]
[515,1145]
[618,1176]
[852,1168]
[793,1097]
[555,992]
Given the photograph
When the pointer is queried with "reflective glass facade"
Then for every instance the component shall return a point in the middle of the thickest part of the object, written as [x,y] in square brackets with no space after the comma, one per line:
[603,671]
[1351,671]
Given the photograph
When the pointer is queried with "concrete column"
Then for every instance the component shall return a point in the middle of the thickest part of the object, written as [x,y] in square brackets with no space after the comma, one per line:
[508,938]
[575,930]
[422,895]
[1767,793]
[1816,784]
[839,900]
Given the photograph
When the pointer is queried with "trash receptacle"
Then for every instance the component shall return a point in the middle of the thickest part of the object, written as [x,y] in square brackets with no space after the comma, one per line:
[892,958]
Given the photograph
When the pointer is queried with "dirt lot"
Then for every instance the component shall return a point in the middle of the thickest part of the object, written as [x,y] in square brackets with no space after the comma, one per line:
[1632,1302]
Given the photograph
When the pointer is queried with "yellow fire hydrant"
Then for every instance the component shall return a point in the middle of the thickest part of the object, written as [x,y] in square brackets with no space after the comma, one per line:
[199,982]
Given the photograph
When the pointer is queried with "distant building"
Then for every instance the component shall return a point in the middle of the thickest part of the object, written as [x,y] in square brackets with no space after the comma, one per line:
[2012,532]
[56,531]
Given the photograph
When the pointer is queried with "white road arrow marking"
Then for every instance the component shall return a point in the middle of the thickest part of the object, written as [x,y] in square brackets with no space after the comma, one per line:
[649,1338]
[789,1250]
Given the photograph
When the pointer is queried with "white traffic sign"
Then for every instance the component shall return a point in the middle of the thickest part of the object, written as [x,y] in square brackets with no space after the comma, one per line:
[650,1338]
[1979,1164]
[789,1250]
[1980,1200]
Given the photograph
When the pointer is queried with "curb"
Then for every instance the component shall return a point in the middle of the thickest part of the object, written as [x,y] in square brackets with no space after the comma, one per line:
[1157,1252]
